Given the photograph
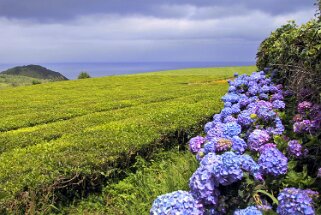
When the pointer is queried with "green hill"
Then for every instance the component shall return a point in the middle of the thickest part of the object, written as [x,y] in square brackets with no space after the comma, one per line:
[64,140]
[35,71]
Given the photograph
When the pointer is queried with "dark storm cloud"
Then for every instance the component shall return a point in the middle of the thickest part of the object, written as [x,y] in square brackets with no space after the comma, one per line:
[52,10]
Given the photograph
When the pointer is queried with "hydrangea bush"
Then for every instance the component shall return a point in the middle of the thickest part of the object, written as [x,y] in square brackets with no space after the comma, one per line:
[246,159]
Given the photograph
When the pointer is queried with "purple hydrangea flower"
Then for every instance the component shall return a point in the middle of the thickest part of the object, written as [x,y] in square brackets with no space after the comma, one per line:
[244,118]
[178,202]
[230,119]
[295,148]
[251,210]
[203,183]
[295,201]
[216,131]
[303,126]
[272,161]
[277,96]
[195,144]
[278,104]
[304,106]
[222,144]
[257,138]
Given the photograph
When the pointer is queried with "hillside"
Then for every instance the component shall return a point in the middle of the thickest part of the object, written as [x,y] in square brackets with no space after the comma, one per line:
[35,71]
[62,140]
[7,81]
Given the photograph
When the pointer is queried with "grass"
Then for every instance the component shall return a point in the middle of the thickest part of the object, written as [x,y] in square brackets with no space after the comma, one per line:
[168,172]
[8,81]
[59,141]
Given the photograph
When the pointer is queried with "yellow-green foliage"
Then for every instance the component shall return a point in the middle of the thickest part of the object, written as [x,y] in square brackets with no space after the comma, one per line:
[59,135]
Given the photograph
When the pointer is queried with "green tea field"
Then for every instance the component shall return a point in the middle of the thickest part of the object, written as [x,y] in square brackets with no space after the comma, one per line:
[62,140]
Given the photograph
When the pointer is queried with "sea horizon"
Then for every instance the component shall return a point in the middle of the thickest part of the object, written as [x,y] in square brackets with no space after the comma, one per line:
[100,69]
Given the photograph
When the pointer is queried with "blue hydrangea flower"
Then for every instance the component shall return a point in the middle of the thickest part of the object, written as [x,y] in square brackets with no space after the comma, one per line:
[238,145]
[231,89]
[251,210]
[264,89]
[257,138]
[178,202]
[249,165]
[225,112]
[195,144]
[231,97]
[272,161]
[208,126]
[209,147]
[217,118]
[278,104]
[227,169]
[235,108]
[263,96]
[279,127]
[203,184]
[294,201]
[232,129]
[227,104]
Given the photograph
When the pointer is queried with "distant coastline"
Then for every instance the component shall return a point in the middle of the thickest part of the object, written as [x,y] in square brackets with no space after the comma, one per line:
[72,70]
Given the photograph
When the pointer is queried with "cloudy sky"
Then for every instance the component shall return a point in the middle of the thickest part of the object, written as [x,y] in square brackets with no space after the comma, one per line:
[141,30]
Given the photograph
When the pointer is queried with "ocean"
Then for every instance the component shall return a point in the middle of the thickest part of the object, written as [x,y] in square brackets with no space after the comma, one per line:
[72,70]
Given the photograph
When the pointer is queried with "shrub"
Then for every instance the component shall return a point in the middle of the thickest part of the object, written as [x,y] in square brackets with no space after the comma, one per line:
[83,75]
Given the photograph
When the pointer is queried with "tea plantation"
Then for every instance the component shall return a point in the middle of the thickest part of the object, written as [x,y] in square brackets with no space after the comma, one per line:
[63,140]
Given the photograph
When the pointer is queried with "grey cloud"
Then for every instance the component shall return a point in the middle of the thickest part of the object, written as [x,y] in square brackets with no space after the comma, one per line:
[55,10]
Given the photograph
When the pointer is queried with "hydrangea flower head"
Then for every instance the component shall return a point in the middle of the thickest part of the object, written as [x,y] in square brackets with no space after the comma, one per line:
[216,131]
[257,138]
[228,170]
[295,148]
[295,201]
[222,144]
[304,106]
[196,143]
[232,129]
[231,97]
[238,145]
[178,202]
[278,104]
[249,165]
[203,184]
[251,210]
[272,161]
[244,118]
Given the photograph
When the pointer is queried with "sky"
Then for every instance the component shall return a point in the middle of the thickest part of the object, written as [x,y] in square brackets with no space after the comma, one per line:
[53,31]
